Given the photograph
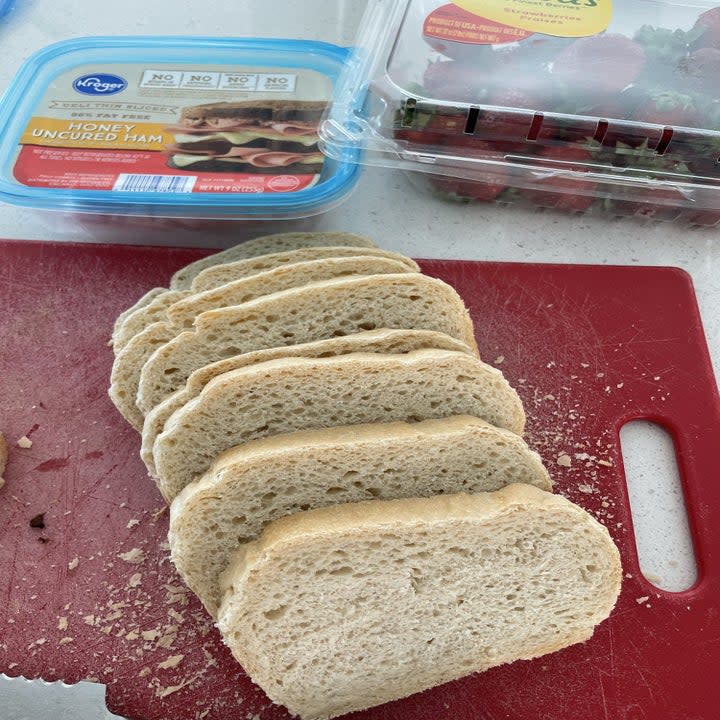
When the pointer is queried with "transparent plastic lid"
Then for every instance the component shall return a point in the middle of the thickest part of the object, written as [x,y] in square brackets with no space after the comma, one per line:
[595,96]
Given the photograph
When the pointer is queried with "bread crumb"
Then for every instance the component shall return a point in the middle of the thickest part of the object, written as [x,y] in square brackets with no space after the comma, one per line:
[168,639]
[171,662]
[73,563]
[144,672]
[66,640]
[499,360]
[24,442]
[132,523]
[89,619]
[587,489]
[176,616]
[564,460]
[642,599]
[605,463]
[132,635]
[134,556]
[135,580]
[150,635]
[62,623]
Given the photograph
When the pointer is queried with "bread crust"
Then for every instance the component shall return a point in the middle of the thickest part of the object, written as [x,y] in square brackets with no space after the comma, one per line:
[267,244]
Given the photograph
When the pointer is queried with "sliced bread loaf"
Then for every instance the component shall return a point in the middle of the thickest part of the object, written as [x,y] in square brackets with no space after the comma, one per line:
[142,317]
[377,341]
[266,245]
[281,396]
[128,363]
[218,275]
[312,312]
[185,310]
[253,484]
[351,606]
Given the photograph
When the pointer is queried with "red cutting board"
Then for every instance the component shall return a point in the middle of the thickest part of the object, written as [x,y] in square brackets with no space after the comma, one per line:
[93,595]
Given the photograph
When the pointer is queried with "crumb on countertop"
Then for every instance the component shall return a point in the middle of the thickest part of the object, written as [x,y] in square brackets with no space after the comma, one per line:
[24,442]
[171,662]
[134,556]
[564,460]
[73,563]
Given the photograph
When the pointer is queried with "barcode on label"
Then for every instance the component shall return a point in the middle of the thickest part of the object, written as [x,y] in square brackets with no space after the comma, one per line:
[155,183]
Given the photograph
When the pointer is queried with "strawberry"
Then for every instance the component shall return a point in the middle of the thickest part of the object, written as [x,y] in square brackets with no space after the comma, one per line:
[502,122]
[485,188]
[663,48]
[417,137]
[458,81]
[600,65]
[703,218]
[701,70]
[487,182]
[708,27]
[556,189]
[668,108]
[648,203]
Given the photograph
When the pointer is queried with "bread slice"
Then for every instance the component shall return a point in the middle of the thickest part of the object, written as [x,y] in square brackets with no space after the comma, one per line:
[185,310]
[253,484]
[281,396]
[142,317]
[313,312]
[218,275]
[378,341]
[351,606]
[146,299]
[265,245]
[125,373]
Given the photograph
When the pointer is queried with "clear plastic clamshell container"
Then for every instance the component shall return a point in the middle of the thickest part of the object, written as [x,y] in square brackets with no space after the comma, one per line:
[174,127]
[579,105]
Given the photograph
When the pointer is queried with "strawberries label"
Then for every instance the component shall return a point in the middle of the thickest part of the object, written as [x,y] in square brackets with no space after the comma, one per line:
[562,18]
[454,24]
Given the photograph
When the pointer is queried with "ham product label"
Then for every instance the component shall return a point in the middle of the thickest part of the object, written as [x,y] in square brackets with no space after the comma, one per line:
[176,128]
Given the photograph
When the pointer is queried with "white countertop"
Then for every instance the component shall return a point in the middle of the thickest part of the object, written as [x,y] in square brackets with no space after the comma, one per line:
[384,206]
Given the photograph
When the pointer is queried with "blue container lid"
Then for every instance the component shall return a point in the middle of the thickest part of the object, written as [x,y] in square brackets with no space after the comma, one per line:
[35,89]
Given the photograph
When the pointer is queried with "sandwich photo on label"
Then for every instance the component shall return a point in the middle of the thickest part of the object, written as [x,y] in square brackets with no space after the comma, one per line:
[273,137]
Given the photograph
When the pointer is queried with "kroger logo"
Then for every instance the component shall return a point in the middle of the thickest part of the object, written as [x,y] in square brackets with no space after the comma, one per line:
[100,84]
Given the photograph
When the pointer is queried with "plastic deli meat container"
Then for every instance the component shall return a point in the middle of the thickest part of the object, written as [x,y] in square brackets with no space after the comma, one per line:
[573,104]
[174,127]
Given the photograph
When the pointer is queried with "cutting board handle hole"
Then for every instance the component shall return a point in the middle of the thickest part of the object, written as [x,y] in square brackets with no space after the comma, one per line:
[662,534]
